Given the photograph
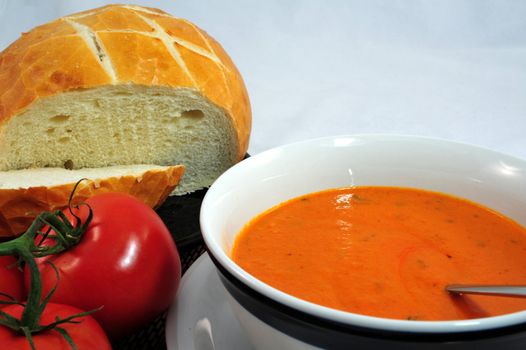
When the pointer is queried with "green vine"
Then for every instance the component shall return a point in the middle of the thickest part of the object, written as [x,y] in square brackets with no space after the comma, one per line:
[65,235]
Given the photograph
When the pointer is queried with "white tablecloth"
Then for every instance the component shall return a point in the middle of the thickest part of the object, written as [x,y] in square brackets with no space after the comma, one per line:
[453,69]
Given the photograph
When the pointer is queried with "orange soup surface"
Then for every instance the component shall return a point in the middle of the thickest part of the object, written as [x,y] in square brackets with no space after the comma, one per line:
[387,252]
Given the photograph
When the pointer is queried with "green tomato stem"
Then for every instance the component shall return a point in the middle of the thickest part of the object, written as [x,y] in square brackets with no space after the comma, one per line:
[65,236]
[21,247]
[32,310]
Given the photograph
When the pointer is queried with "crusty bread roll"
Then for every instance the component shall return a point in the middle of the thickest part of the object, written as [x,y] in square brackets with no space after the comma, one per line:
[26,193]
[122,85]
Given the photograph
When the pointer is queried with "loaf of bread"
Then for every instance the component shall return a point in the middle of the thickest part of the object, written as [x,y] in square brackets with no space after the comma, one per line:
[122,85]
[26,193]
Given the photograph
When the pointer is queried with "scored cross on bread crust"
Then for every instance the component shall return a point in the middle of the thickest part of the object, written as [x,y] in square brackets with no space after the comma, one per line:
[112,89]
[121,44]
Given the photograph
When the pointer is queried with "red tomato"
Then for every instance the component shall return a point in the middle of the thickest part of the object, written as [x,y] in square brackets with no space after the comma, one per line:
[11,279]
[87,334]
[126,262]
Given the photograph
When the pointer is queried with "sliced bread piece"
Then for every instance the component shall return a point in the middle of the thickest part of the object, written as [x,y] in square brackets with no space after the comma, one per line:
[26,193]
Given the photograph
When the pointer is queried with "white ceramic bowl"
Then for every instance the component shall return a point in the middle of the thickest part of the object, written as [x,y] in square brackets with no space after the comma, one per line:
[264,180]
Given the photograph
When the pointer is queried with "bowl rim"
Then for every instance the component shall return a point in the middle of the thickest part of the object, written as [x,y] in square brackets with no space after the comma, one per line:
[332,315]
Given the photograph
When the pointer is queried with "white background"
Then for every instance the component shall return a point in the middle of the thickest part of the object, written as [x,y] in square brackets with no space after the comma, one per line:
[453,69]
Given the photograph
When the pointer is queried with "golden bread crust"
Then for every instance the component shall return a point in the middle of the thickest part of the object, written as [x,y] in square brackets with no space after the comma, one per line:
[121,44]
[19,207]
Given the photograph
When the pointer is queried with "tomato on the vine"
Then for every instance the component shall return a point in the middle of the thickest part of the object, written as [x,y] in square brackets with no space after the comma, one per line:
[86,335]
[126,262]
[11,280]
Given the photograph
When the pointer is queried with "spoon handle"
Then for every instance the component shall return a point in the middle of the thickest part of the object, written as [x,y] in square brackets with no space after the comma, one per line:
[496,290]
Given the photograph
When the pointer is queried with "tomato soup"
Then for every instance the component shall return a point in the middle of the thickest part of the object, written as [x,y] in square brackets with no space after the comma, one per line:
[386,252]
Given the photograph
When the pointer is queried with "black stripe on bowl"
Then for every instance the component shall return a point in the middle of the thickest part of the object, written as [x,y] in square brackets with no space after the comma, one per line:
[330,334]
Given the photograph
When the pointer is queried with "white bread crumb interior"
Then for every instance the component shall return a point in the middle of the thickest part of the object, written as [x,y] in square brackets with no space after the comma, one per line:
[117,125]
[49,177]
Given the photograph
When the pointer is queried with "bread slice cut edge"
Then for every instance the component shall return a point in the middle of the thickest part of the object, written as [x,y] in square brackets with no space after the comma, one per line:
[25,193]
[123,125]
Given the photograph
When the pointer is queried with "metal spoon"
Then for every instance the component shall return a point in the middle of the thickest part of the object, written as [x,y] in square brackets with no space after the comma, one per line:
[496,290]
